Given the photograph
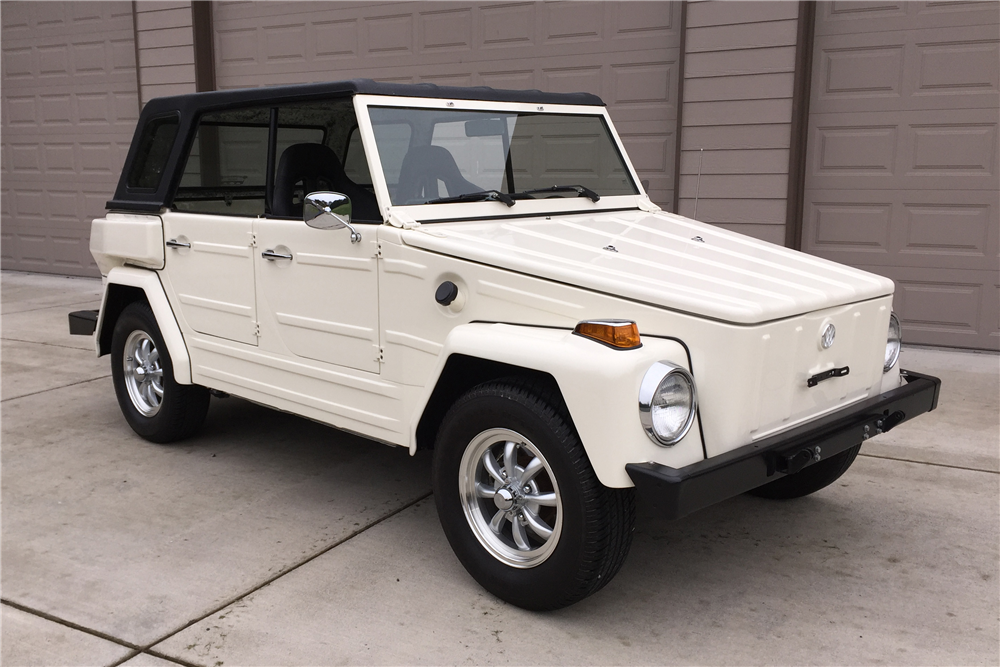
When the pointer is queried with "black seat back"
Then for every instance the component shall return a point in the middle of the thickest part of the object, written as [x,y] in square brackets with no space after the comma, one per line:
[421,170]
[318,169]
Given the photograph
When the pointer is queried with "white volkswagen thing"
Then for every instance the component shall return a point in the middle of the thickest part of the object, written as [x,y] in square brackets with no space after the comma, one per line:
[479,272]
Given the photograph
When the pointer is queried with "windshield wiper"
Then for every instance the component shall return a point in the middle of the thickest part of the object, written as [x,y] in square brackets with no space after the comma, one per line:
[578,189]
[485,195]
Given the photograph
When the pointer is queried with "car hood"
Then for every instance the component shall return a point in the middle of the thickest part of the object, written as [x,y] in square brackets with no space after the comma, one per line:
[661,259]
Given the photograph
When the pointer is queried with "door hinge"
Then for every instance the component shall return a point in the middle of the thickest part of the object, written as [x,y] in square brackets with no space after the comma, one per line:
[378,250]
[253,239]
[256,329]
[381,356]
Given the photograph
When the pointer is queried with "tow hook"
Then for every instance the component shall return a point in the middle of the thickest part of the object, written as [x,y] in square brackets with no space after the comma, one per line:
[793,463]
[884,424]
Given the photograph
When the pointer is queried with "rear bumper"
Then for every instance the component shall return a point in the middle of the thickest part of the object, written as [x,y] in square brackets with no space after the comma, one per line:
[83,322]
[676,492]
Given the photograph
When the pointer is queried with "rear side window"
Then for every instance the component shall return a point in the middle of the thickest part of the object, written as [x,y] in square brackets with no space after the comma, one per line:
[225,172]
[151,157]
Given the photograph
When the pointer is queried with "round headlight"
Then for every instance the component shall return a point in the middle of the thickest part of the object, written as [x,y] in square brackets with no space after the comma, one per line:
[667,403]
[892,343]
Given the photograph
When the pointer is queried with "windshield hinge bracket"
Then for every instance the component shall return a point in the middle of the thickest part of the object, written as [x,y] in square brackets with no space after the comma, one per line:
[397,219]
[645,204]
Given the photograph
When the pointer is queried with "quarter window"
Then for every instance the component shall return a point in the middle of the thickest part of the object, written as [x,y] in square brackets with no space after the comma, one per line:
[151,157]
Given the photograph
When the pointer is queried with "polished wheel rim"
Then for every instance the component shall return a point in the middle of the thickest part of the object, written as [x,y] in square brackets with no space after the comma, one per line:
[143,373]
[510,497]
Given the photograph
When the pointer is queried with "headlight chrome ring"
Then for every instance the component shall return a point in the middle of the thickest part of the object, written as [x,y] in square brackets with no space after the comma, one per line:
[892,344]
[668,402]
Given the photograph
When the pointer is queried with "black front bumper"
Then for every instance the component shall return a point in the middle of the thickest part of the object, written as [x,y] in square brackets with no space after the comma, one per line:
[676,492]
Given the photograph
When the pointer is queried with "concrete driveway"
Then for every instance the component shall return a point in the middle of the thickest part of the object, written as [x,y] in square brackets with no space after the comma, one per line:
[271,540]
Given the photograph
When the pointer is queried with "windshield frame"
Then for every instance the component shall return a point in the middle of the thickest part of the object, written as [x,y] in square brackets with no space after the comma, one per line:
[488,209]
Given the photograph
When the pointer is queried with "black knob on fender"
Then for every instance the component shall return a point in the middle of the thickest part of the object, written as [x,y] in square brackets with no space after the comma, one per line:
[446,293]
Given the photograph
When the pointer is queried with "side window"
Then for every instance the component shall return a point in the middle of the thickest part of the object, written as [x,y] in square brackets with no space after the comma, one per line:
[225,172]
[314,152]
[151,157]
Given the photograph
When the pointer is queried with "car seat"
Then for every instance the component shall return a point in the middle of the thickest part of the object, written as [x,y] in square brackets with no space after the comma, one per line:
[421,170]
[318,169]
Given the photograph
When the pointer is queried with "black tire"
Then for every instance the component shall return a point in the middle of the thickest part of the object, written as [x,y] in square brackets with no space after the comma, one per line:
[590,542]
[810,479]
[172,416]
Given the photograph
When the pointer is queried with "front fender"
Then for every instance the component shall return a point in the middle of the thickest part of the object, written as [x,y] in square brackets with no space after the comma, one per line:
[149,283]
[600,386]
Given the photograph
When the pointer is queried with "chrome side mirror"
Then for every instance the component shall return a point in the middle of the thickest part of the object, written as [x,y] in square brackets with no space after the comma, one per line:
[329,210]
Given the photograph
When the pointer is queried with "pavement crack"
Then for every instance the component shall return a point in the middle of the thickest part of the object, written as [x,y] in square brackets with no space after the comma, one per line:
[930,463]
[89,302]
[38,342]
[42,391]
[73,626]
[164,656]
[270,580]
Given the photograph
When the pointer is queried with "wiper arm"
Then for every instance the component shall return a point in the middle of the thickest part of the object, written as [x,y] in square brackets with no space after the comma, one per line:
[578,189]
[485,195]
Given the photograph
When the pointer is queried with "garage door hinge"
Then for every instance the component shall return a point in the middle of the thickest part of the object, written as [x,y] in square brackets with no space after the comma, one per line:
[256,329]
[253,240]
[378,250]
[381,356]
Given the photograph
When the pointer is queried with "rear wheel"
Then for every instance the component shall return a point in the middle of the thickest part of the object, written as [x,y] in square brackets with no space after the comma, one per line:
[154,405]
[521,504]
[810,479]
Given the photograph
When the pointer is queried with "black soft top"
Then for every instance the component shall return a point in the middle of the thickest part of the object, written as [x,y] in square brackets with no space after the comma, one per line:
[187,108]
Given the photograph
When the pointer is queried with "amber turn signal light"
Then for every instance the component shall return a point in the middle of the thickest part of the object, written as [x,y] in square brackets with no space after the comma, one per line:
[619,334]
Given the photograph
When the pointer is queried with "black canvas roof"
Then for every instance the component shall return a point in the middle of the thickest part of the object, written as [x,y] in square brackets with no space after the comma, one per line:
[188,107]
[196,102]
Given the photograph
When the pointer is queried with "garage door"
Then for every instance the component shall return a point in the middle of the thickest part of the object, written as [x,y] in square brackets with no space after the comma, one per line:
[69,110]
[625,52]
[902,175]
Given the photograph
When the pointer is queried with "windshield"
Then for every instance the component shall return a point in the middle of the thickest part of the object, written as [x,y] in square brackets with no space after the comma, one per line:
[433,155]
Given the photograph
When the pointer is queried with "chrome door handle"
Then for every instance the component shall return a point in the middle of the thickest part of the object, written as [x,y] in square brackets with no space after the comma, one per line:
[174,243]
[271,255]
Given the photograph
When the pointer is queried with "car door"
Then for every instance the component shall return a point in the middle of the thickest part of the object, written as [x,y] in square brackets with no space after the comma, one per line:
[209,269]
[318,293]
[209,266]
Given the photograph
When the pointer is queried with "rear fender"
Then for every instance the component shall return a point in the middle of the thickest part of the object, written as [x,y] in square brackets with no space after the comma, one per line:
[599,385]
[120,288]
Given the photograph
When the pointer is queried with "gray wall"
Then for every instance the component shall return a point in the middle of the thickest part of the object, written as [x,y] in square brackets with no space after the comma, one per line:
[739,67]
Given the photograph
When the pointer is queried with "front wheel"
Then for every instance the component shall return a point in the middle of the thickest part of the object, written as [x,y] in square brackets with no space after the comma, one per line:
[155,406]
[521,504]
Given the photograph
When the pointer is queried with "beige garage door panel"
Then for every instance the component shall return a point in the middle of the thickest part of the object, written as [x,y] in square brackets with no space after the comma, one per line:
[952,150]
[69,110]
[625,52]
[851,18]
[932,229]
[903,159]
[947,68]
[948,304]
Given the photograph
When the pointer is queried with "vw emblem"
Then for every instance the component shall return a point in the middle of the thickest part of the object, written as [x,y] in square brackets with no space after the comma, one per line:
[829,333]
